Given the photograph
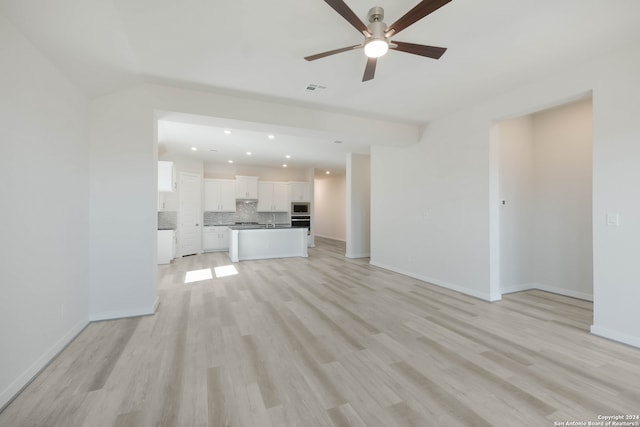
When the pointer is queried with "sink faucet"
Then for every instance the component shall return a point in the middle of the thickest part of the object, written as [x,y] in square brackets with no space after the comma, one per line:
[273,222]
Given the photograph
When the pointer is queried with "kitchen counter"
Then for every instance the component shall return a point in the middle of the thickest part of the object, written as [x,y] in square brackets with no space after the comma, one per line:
[265,243]
[258,226]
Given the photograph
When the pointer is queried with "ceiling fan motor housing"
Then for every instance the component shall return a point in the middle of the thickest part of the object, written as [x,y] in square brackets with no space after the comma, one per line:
[376,27]
[376,14]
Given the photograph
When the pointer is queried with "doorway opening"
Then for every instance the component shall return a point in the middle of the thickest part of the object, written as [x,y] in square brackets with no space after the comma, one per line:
[545,201]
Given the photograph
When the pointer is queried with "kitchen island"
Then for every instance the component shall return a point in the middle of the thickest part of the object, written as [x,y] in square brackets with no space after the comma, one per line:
[265,243]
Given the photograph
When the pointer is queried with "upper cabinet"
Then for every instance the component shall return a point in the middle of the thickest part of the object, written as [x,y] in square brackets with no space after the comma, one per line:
[219,195]
[273,197]
[246,187]
[167,201]
[167,180]
[300,191]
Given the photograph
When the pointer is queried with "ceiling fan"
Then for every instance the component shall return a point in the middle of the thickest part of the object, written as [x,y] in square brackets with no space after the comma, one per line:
[377,35]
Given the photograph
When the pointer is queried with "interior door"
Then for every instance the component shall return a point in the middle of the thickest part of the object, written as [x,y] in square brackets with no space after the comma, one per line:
[190,214]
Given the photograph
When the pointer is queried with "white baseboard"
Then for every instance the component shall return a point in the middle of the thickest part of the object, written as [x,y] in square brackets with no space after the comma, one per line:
[110,315]
[331,238]
[471,292]
[616,336]
[545,288]
[565,292]
[25,377]
[358,255]
[517,288]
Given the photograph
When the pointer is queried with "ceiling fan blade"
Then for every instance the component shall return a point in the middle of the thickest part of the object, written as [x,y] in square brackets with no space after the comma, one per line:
[331,52]
[419,49]
[370,69]
[421,10]
[348,14]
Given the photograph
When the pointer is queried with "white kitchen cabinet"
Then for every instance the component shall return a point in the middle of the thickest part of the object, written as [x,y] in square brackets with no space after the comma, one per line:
[167,202]
[219,195]
[167,180]
[267,243]
[215,238]
[300,191]
[273,197]
[166,246]
[246,187]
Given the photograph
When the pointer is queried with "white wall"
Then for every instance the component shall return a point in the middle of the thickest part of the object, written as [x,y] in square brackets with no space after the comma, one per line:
[358,201]
[517,235]
[429,206]
[446,187]
[616,155]
[123,219]
[330,207]
[545,180]
[44,168]
[563,252]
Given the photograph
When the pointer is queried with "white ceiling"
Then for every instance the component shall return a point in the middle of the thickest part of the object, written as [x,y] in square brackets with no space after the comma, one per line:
[212,144]
[257,47]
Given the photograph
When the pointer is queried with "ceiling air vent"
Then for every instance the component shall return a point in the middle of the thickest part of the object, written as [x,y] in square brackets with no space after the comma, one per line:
[313,87]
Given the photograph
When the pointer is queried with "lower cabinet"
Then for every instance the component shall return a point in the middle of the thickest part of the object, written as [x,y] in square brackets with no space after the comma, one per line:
[166,246]
[215,238]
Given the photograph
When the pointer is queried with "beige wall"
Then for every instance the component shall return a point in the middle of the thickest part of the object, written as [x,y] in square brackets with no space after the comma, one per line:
[545,181]
[330,208]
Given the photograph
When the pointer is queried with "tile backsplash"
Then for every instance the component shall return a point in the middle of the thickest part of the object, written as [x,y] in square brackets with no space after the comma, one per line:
[246,211]
[167,220]
[217,218]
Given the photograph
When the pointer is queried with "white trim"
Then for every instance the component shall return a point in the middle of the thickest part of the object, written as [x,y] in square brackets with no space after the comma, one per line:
[331,238]
[616,336]
[36,367]
[565,292]
[471,292]
[356,255]
[517,288]
[110,315]
[545,288]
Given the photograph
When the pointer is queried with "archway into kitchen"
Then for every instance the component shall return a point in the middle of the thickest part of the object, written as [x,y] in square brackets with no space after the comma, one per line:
[544,200]
[220,150]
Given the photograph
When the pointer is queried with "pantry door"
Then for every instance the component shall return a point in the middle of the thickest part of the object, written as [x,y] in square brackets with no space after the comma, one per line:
[190,214]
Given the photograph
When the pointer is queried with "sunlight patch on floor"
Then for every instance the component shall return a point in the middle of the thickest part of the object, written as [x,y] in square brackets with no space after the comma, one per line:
[226,270]
[198,275]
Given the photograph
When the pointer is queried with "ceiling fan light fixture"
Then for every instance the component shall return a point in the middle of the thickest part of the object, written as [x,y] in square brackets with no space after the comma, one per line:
[375,48]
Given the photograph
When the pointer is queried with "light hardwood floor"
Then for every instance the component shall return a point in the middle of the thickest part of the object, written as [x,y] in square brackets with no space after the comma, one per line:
[327,341]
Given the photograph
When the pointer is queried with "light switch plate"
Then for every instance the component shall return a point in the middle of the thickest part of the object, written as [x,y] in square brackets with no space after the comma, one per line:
[613,219]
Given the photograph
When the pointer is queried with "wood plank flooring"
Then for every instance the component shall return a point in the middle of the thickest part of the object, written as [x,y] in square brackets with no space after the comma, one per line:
[327,341]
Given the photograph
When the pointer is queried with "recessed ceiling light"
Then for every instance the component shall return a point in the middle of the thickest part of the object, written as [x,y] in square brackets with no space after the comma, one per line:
[194,149]
[249,153]
[328,172]
[271,136]
[284,166]
[288,156]
[227,132]
[230,161]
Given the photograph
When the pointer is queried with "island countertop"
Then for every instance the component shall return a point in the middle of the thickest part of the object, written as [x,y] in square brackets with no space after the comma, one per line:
[265,243]
[258,226]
